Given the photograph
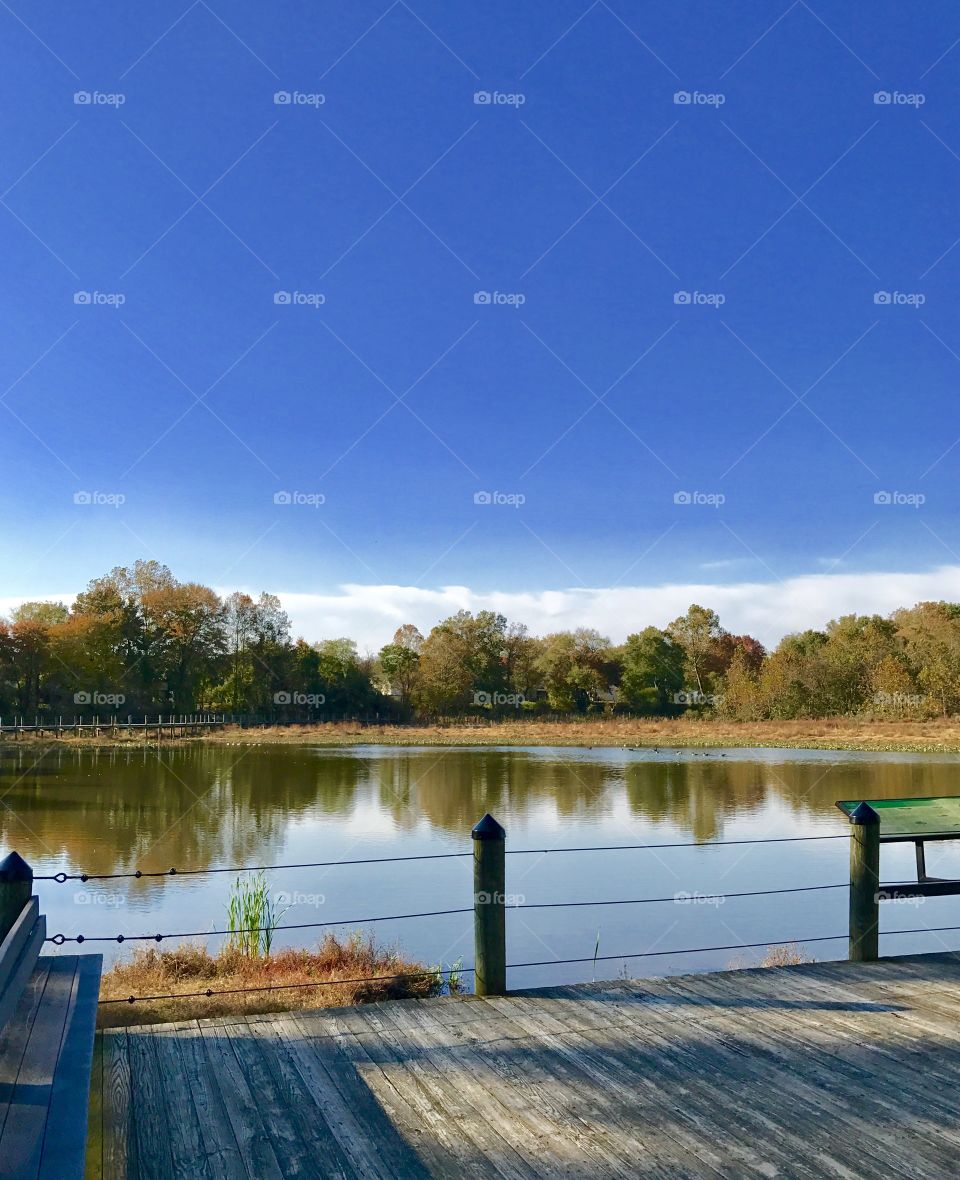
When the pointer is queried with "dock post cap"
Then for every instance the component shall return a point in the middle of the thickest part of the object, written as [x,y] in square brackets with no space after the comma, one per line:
[14,868]
[488,829]
[863,813]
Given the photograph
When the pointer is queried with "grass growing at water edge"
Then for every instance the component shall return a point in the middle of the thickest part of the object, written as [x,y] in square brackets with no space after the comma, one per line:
[342,972]
[252,916]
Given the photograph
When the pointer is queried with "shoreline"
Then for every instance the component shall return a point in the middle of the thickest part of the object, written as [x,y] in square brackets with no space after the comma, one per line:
[939,736]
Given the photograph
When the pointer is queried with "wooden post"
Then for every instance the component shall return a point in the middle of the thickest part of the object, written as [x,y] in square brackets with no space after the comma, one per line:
[16,886]
[864,884]
[489,908]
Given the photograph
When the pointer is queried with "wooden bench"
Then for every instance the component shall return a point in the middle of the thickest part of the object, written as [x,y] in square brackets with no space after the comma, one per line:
[48,1013]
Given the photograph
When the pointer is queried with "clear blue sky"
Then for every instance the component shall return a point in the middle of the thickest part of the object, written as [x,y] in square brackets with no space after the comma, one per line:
[596,198]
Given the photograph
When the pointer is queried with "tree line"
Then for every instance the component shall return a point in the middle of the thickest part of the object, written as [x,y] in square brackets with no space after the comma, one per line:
[139,640]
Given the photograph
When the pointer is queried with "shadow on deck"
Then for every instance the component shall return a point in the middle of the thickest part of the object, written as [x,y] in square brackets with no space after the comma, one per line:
[834,1069]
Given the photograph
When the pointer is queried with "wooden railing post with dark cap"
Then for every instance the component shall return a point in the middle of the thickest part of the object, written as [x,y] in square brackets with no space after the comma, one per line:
[864,884]
[16,888]
[489,908]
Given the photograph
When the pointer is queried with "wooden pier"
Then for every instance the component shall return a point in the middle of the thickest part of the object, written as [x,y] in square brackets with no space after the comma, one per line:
[172,725]
[833,1069]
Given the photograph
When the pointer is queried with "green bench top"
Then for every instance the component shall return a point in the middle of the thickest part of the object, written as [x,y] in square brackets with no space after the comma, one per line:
[934,818]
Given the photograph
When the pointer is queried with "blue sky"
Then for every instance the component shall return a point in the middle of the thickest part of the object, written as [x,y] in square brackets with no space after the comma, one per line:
[784,198]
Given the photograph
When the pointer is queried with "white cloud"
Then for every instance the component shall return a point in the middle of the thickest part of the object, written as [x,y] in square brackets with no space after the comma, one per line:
[769,610]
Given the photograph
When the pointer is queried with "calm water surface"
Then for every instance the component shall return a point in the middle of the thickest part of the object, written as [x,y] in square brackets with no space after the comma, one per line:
[116,811]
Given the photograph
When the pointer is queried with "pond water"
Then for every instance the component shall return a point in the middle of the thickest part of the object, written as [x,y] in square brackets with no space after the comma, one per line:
[115,811]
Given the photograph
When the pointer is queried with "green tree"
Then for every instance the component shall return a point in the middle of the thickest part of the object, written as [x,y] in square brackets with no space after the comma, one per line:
[652,671]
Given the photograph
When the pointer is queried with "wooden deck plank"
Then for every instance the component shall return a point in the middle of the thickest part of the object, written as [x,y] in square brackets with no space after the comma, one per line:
[286,1106]
[240,1106]
[94,1155]
[15,1035]
[154,1151]
[119,1128]
[731,1135]
[515,1063]
[839,1095]
[64,1142]
[21,1141]
[186,1140]
[549,1147]
[841,1070]
[362,1127]
[375,1062]
[219,1144]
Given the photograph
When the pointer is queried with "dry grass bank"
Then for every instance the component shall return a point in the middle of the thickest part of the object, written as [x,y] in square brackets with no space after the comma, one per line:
[842,733]
[191,968]
[832,734]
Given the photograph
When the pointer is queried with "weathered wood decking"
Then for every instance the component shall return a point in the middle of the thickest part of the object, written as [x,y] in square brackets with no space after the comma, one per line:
[832,1069]
[45,1051]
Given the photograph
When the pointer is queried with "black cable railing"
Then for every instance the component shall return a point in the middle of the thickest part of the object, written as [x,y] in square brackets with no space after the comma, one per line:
[62,877]
[681,897]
